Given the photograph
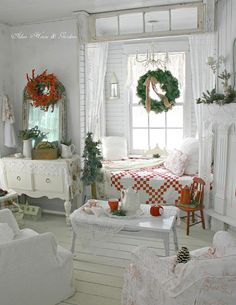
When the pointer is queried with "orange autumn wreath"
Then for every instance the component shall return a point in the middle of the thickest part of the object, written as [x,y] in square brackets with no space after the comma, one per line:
[44,90]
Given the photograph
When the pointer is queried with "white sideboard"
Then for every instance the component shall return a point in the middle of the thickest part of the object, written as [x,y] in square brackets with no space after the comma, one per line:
[37,178]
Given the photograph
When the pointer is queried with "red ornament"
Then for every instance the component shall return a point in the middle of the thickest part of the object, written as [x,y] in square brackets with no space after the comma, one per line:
[156,210]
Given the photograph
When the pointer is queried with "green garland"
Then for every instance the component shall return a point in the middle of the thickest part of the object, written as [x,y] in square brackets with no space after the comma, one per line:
[168,83]
[212,97]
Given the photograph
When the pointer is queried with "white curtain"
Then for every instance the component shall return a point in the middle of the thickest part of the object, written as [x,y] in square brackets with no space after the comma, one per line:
[201,47]
[96,64]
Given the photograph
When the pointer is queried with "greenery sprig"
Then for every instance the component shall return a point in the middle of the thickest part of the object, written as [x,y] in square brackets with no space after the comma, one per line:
[212,97]
[120,212]
[33,133]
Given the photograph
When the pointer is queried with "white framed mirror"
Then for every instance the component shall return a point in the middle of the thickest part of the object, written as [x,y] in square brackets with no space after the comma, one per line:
[53,121]
[234,64]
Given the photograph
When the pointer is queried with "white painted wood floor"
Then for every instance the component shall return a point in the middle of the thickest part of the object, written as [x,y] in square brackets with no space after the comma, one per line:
[99,278]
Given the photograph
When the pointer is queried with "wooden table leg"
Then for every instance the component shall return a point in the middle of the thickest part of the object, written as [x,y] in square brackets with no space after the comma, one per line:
[202,219]
[193,217]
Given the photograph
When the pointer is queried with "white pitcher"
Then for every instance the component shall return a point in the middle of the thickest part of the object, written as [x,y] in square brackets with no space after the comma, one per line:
[130,200]
[67,151]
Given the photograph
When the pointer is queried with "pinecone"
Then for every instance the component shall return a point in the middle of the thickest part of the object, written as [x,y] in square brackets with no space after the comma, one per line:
[183,256]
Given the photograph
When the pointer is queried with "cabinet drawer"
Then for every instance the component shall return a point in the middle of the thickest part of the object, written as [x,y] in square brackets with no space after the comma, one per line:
[48,183]
[20,181]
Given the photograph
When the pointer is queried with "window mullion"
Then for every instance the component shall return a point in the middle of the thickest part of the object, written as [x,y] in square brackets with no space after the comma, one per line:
[149,145]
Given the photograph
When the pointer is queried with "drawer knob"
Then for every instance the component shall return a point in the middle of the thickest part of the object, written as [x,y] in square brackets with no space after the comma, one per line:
[18,178]
[48,180]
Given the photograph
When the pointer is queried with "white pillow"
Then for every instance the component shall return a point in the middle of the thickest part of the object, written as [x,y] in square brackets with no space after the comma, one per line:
[114,148]
[176,162]
[6,233]
[190,147]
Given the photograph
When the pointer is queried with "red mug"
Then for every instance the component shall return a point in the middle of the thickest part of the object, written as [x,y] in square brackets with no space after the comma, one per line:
[156,210]
[113,204]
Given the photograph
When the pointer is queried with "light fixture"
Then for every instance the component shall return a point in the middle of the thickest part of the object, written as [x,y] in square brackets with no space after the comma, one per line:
[215,63]
[151,57]
[114,94]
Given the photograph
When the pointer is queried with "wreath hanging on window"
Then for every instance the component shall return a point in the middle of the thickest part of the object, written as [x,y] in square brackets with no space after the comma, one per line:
[44,90]
[168,83]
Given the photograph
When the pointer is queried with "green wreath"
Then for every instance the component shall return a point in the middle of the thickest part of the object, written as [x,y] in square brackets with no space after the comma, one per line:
[168,84]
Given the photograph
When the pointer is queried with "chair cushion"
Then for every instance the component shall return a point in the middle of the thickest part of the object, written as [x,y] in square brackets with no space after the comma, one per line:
[175,162]
[224,243]
[6,233]
[190,147]
[114,148]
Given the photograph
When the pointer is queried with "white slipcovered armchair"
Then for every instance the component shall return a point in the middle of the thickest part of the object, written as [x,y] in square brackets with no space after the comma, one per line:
[209,278]
[33,269]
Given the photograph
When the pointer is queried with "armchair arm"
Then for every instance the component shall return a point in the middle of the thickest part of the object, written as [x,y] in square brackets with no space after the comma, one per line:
[197,270]
[6,216]
[28,254]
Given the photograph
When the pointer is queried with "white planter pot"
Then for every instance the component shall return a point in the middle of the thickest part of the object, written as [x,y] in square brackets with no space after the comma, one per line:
[27,148]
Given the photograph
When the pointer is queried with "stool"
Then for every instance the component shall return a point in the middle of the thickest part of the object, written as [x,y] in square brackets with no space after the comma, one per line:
[197,195]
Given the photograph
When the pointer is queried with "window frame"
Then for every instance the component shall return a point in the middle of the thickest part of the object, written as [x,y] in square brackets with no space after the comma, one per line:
[176,44]
[200,6]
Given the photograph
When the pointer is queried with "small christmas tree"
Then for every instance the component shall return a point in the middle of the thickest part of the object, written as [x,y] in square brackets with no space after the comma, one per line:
[92,163]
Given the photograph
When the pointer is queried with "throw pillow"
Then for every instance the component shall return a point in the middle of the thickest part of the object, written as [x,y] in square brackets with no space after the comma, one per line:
[114,148]
[190,147]
[6,233]
[175,162]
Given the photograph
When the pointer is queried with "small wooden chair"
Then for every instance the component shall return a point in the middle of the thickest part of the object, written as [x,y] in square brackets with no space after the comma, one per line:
[197,192]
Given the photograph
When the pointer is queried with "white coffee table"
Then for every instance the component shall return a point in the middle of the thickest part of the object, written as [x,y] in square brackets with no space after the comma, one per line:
[144,226]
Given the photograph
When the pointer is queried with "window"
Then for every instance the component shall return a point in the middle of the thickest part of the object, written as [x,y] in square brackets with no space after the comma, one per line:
[164,129]
[172,19]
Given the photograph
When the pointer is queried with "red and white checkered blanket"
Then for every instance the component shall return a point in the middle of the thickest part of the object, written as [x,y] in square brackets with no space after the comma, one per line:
[155,184]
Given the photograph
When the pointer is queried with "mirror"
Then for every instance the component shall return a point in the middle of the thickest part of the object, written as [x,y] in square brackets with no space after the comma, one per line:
[52,121]
[234,63]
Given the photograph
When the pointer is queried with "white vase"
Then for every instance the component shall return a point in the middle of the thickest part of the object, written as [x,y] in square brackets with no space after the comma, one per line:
[27,148]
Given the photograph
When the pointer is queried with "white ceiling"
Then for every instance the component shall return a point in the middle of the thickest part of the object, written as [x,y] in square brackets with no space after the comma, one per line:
[15,12]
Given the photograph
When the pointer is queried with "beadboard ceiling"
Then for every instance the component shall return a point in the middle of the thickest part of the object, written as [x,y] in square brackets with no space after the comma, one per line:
[14,12]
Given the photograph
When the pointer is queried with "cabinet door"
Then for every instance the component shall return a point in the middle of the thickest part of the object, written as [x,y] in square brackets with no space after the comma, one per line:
[53,184]
[21,181]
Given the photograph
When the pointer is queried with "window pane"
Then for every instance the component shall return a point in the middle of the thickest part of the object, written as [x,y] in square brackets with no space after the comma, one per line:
[107,26]
[175,117]
[131,23]
[162,19]
[46,121]
[140,139]
[174,137]
[140,117]
[157,120]
[184,18]
[157,136]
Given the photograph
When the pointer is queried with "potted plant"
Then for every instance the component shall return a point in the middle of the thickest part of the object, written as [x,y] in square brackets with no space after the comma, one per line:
[27,136]
[92,163]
